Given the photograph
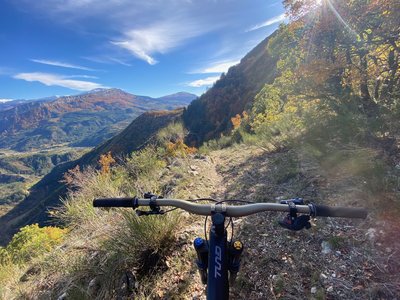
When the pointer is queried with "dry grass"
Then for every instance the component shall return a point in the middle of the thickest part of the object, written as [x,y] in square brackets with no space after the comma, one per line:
[107,247]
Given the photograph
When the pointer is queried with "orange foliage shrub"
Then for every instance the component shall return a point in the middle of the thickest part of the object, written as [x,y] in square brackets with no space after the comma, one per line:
[105,161]
[179,148]
[237,120]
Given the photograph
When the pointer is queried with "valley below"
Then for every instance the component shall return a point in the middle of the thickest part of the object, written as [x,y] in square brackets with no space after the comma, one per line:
[21,170]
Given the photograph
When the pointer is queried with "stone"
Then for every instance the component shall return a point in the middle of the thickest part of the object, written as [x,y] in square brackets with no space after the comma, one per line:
[371,234]
[63,296]
[326,247]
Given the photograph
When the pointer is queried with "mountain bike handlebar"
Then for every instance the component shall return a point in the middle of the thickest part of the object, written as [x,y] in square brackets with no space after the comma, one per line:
[314,210]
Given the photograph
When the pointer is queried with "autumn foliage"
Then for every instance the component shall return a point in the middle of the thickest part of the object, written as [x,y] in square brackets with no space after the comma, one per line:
[105,161]
[179,148]
[31,241]
[237,120]
[339,64]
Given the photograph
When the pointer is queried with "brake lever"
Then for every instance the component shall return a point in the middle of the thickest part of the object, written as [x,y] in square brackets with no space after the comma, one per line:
[154,208]
[292,221]
[140,213]
[295,224]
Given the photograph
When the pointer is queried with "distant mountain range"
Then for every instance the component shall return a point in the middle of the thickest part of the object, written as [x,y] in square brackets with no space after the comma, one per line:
[6,104]
[83,120]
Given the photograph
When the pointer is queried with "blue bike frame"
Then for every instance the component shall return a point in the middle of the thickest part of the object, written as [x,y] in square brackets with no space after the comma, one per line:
[217,280]
[218,259]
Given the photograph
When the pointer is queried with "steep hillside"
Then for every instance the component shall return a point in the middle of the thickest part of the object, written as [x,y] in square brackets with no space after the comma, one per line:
[84,120]
[47,192]
[209,116]
[153,257]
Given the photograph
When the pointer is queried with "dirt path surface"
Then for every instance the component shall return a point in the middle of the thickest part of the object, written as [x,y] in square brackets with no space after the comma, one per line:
[201,179]
[335,259]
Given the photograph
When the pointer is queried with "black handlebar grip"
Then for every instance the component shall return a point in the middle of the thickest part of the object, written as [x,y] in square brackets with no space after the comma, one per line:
[114,202]
[343,212]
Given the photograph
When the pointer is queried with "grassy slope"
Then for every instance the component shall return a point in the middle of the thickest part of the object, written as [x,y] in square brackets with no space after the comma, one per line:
[277,264]
[47,192]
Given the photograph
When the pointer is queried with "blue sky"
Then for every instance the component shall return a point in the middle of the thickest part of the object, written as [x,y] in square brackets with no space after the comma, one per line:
[153,47]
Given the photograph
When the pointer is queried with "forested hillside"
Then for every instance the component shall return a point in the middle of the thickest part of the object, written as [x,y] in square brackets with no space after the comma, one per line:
[318,119]
[209,116]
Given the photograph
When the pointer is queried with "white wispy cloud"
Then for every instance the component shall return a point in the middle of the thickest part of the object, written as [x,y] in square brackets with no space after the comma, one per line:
[218,67]
[61,64]
[147,29]
[277,19]
[203,82]
[5,100]
[82,76]
[107,60]
[6,71]
[119,61]
[59,80]
[161,37]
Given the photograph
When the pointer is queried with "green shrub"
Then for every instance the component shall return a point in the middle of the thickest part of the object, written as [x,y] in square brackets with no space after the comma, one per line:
[172,133]
[5,257]
[143,170]
[137,237]
[32,241]
[217,144]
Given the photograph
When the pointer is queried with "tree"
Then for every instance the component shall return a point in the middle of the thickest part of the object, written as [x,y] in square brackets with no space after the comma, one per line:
[358,43]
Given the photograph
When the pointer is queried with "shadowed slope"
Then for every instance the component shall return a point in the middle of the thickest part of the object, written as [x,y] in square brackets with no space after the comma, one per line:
[209,116]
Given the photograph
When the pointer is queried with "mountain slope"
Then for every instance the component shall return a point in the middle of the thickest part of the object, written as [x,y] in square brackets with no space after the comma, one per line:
[47,192]
[9,104]
[209,116]
[83,120]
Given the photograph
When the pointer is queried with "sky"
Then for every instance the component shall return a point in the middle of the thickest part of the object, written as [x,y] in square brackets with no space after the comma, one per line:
[145,47]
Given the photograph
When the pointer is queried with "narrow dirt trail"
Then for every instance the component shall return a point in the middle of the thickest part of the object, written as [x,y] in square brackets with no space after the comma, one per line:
[279,264]
[201,180]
